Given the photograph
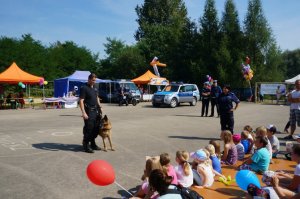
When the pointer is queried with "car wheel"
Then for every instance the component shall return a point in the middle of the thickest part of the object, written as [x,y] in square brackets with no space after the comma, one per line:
[134,102]
[155,105]
[173,103]
[194,102]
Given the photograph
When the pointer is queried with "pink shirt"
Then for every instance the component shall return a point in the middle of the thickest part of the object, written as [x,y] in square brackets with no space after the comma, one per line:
[171,172]
[145,188]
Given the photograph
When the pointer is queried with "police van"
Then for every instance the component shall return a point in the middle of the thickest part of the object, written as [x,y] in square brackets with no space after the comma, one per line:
[109,90]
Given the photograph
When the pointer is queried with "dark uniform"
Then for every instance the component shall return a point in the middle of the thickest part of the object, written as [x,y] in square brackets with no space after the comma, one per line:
[225,106]
[214,94]
[91,128]
[122,96]
[205,101]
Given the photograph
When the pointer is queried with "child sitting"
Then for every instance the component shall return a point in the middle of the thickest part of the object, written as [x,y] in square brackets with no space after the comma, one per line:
[262,131]
[260,160]
[239,147]
[230,153]
[167,167]
[289,146]
[216,164]
[271,130]
[251,134]
[246,142]
[217,147]
[293,184]
[203,174]
[152,163]
[251,137]
[183,170]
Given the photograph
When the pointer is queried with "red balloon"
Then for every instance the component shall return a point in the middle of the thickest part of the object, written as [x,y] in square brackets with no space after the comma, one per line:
[100,173]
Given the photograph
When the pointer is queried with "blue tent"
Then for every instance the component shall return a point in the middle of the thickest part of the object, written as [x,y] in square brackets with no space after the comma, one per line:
[73,82]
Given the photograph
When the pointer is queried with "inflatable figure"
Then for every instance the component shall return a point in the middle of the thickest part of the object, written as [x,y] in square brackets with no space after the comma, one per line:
[156,63]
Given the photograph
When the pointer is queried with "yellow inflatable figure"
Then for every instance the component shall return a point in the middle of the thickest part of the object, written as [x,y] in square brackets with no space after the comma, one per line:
[156,63]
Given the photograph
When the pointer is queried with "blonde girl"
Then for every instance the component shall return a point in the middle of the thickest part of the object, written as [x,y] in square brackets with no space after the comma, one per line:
[217,146]
[216,164]
[183,170]
[152,163]
[230,152]
[246,142]
[203,175]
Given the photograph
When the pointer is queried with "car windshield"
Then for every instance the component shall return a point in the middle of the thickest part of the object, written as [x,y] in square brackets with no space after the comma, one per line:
[171,88]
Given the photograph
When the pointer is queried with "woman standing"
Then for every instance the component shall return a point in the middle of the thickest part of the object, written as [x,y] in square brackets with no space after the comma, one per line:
[225,101]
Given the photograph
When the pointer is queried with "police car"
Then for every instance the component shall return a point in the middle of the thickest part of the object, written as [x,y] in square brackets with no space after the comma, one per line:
[174,94]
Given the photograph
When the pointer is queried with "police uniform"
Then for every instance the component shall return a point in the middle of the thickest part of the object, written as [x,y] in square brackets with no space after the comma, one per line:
[225,105]
[122,94]
[205,101]
[90,130]
[214,94]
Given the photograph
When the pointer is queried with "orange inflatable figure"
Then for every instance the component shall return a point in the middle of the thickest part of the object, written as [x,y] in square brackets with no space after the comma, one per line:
[156,63]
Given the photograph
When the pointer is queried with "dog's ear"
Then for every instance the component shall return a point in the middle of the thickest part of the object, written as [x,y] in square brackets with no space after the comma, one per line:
[105,117]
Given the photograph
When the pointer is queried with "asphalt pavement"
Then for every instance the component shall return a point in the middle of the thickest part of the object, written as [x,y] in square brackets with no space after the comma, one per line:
[41,154]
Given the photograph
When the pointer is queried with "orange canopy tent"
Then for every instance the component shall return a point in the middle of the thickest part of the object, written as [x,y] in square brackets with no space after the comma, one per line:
[146,78]
[14,75]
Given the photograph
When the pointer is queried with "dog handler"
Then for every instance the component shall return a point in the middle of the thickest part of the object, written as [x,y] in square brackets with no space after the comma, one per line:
[91,109]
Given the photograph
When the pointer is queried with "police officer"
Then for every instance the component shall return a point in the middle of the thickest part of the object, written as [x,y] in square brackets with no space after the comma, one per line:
[205,99]
[226,108]
[122,96]
[91,109]
[214,94]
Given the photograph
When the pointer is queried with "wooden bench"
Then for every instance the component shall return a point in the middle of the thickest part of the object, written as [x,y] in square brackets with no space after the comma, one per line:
[219,190]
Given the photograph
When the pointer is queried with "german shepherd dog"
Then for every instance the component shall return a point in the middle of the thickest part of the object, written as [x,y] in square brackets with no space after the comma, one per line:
[105,131]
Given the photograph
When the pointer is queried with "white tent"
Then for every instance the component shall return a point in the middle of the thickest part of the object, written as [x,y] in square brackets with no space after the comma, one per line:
[292,80]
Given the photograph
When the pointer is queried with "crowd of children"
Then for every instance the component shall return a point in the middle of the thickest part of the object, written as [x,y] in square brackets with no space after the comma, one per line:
[255,148]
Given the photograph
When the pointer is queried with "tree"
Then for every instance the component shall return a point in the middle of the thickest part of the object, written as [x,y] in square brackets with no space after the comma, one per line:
[9,52]
[209,38]
[274,70]
[65,58]
[28,53]
[122,61]
[258,36]
[291,62]
[160,27]
[186,69]
[231,46]
[261,45]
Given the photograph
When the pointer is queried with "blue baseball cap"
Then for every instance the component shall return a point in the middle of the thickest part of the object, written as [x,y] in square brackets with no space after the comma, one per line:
[199,155]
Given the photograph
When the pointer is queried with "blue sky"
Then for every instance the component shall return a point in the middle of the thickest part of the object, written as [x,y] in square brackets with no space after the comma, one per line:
[89,22]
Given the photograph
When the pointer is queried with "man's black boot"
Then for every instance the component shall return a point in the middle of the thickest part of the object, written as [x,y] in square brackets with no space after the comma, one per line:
[86,147]
[94,146]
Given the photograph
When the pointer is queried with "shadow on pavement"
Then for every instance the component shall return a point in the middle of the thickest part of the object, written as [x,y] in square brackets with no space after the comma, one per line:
[189,115]
[123,194]
[192,137]
[71,115]
[58,147]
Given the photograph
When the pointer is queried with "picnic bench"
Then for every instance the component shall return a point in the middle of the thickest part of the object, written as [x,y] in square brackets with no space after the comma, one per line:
[219,190]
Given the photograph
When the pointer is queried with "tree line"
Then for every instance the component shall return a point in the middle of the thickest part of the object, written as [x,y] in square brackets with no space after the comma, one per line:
[191,49]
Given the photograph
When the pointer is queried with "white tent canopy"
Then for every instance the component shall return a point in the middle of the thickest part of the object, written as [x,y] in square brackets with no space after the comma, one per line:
[292,80]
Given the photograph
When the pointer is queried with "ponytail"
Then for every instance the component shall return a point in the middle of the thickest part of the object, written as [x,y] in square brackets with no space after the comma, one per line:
[186,168]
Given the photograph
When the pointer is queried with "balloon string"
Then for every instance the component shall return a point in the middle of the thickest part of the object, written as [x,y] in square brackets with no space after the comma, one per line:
[123,188]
